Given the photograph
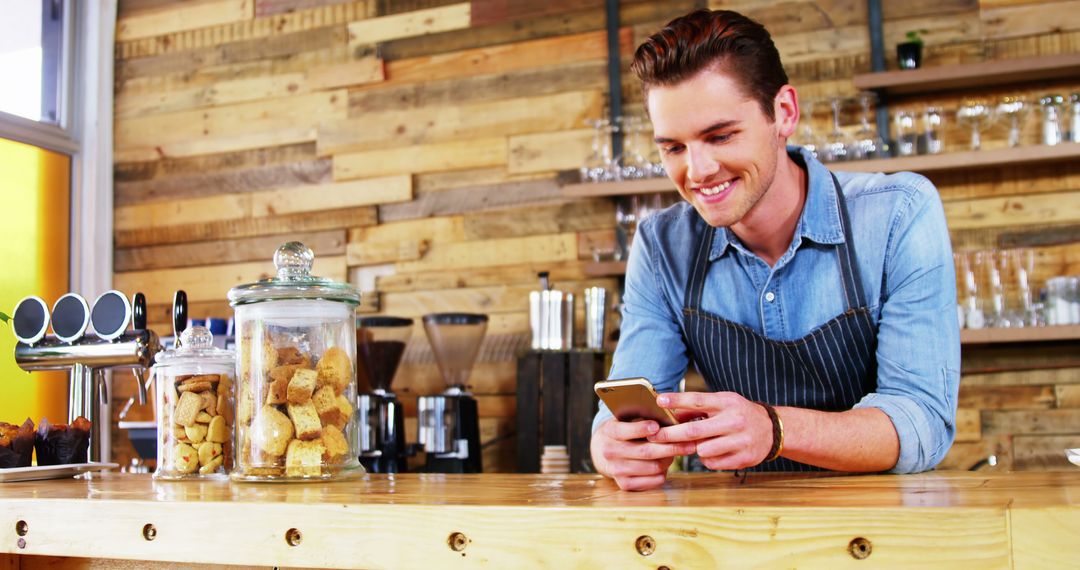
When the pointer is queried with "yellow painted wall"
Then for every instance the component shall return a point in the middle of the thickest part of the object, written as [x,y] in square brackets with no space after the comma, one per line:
[34,229]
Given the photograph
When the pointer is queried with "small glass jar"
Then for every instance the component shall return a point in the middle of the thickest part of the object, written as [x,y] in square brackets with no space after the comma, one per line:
[1074,117]
[933,129]
[907,135]
[296,372]
[194,387]
[1053,119]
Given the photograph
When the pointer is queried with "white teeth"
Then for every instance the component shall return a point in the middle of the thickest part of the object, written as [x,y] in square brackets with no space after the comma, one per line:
[714,190]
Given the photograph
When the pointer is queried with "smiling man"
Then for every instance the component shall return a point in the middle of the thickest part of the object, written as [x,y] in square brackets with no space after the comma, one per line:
[819,307]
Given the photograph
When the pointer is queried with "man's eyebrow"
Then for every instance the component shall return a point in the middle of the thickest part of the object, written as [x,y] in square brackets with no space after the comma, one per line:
[713,127]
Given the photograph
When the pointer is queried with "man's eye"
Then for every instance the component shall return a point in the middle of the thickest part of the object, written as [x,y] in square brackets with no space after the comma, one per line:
[672,149]
[719,138]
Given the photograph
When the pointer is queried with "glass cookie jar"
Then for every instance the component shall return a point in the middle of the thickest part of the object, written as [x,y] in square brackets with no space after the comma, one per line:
[194,387]
[296,374]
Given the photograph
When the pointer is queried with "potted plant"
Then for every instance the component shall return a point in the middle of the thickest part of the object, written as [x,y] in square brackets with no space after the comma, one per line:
[909,53]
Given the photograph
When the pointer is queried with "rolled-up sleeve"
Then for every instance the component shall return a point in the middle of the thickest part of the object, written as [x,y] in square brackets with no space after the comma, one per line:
[650,341]
[918,350]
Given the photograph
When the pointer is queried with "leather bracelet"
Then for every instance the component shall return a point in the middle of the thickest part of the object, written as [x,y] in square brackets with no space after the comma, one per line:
[777,433]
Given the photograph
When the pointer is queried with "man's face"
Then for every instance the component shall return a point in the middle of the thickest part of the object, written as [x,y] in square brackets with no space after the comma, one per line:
[717,145]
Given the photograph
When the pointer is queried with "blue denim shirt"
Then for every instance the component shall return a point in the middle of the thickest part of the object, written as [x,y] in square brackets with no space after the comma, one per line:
[898,226]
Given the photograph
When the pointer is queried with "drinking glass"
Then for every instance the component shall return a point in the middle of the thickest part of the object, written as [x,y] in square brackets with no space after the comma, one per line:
[635,164]
[907,135]
[1014,109]
[1053,118]
[868,143]
[933,141]
[806,137]
[976,115]
[836,142]
[967,290]
[626,209]
[596,163]
[1015,267]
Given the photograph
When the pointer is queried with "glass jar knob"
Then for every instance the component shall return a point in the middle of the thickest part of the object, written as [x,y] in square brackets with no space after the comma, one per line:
[293,260]
[197,337]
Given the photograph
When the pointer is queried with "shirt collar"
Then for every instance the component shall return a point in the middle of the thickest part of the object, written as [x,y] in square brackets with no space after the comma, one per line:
[820,218]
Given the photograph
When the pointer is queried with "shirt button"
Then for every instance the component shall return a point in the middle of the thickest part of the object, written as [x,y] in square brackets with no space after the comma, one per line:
[770,296]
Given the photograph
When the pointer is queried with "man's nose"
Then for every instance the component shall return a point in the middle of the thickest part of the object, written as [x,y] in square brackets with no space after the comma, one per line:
[701,164]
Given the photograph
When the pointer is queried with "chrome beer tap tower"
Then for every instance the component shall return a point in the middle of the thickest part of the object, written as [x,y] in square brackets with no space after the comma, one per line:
[113,347]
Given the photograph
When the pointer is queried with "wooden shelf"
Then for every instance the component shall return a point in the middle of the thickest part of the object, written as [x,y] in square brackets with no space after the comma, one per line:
[963,76]
[624,188]
[959,160]
[1026,334]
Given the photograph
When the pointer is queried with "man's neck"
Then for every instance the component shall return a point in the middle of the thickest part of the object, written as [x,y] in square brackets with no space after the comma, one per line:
[768,228]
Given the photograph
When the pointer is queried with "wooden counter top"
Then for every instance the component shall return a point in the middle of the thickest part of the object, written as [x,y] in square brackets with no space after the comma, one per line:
[1022,520]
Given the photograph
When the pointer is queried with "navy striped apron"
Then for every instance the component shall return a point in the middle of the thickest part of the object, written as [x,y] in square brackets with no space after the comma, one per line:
[830,369]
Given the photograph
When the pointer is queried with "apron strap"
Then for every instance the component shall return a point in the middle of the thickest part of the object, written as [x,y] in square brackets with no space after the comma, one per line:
[699,267]
[853,290]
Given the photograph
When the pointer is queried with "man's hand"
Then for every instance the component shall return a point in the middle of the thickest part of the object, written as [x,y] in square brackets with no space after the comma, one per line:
[620,451]
[731,432]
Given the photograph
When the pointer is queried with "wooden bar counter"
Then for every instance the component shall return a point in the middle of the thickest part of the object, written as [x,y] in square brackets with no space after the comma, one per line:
[938,519]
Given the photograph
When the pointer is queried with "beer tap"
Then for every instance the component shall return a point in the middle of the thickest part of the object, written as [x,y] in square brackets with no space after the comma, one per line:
[85,357]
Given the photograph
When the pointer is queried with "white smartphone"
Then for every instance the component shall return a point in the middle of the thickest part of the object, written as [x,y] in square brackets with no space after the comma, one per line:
[632,399]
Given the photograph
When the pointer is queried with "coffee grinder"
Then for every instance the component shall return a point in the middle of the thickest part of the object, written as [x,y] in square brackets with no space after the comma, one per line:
[449,423]
[380,343]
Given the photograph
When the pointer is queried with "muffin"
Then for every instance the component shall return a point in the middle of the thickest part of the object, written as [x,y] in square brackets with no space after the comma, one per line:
[61,443]
[16,444]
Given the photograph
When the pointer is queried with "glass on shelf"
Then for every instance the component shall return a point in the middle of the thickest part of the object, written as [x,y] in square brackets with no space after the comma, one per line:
[1074,117]
[626,211]
[976,115]
[868,142]
[1053,113]
[805,136]
[1016,267]
[596,163]
[836,145]
[970,303]
[907,135]
[1014,109]
[636,164]
[932,140]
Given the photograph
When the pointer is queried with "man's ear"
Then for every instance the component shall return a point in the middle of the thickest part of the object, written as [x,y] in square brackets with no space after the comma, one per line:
[786,111]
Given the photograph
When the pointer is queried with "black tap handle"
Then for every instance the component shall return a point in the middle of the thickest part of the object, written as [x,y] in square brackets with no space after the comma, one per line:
[138,312]
[179,314]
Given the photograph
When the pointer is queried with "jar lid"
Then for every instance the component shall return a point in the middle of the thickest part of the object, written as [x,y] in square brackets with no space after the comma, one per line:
[294,280]
[196,347]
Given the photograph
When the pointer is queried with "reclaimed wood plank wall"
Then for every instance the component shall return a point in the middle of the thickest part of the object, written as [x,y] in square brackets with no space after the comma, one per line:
[414,144]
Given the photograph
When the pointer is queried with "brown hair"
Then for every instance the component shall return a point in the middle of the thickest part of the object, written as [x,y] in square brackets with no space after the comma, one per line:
[705,38]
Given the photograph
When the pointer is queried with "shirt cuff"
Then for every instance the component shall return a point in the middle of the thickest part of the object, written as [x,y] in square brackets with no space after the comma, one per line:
[913,429]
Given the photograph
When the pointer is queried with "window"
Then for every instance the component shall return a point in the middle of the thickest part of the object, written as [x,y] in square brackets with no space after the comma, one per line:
[31,59]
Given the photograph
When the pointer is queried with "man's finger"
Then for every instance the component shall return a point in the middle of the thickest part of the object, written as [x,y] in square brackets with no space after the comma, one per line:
[703,402]
[688,415]
[629,431]
[691,431]
[636,468]
[640,483]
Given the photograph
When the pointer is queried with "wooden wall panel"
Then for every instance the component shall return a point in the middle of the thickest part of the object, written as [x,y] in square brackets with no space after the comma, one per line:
[416,144]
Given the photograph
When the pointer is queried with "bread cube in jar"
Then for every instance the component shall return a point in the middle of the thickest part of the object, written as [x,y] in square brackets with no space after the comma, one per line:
[296,379]
[194,386]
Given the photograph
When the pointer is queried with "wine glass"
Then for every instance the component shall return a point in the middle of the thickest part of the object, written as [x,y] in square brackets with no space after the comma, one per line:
[635,163]
[806,137]
[596,163]
[1013,108]
[626,210]
[976,115]
[967,291]
[868,143]
[837,143]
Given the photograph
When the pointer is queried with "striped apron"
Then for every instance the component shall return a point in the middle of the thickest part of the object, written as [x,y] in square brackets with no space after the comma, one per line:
[830,369]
